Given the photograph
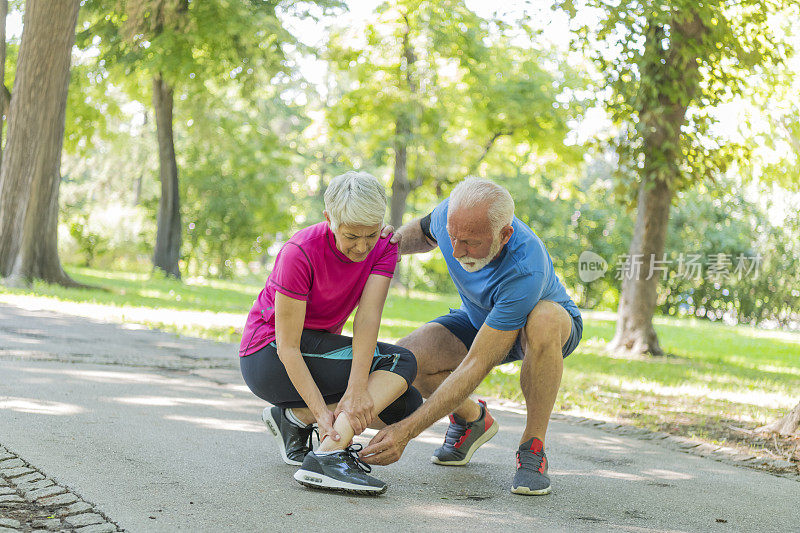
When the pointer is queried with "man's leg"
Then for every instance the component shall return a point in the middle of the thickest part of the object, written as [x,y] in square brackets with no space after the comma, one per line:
[545,333]
[438,352]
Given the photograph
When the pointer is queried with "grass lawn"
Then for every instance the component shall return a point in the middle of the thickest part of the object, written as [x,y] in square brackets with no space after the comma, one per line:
[716,377]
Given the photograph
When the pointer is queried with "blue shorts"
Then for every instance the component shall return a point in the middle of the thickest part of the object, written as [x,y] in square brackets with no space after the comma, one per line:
[457,322]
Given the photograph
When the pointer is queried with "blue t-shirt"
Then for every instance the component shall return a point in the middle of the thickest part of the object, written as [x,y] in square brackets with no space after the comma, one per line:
[505,291]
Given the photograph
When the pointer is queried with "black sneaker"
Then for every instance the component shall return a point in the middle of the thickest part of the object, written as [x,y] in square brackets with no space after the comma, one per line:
[531,478]
[341,471]
[294,442]
[463,438]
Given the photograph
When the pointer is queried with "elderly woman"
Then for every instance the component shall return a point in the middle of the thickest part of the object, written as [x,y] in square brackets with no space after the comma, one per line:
[292,353]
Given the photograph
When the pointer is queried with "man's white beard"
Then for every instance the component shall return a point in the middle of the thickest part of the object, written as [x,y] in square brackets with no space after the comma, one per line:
[480,263]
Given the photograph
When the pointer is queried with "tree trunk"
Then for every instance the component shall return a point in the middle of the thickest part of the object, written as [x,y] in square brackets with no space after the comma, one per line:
[30,176]
[401,186]
[786,426]
[168,237]
[140,158]
[635,332]
[661,118]
[3,102]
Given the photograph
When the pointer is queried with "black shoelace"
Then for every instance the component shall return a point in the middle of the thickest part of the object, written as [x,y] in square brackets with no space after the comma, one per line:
[352,458]
[313,431]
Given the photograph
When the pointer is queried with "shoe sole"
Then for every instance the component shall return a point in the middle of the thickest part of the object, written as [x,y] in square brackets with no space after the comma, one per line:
[528,492]
[314,480]
[273,427]
[483,439]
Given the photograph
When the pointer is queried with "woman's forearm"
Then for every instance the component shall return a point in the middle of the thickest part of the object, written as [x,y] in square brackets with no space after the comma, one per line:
[300,377]
[365,339]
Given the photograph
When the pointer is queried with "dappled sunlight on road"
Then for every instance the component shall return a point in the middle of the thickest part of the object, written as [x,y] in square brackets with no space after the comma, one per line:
[218,423]
[608,444]
[136,378]
[665,474]
[109,376]
[39,407]
[608,474]
[167,401]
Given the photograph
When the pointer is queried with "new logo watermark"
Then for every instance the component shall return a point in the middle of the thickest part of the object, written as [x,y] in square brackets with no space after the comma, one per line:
[591,266]
[715,267]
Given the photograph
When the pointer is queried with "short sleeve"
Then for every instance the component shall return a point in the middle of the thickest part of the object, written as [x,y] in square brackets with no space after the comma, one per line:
[292,274]
[387,261]
[515,300]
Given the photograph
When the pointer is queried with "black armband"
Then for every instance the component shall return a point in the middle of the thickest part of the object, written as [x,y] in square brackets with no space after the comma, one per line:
[425,223]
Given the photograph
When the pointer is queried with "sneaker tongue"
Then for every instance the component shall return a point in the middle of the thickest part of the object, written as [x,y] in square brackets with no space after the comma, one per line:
[534,445]
[458,420]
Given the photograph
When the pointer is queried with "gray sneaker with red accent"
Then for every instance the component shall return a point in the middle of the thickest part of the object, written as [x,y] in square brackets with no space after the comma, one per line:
[463,438]
[531,478]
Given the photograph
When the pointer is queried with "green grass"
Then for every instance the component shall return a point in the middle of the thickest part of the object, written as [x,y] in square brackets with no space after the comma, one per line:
[716,376]
[132,289]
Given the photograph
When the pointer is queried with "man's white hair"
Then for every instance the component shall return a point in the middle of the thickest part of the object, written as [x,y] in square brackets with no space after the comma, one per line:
[473,192]
[355,199]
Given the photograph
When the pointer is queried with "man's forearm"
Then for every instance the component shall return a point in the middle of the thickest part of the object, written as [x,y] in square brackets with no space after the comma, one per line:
[489,348]
[450,394]
[414,240]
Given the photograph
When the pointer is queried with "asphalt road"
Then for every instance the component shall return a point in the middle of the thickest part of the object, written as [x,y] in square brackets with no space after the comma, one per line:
[161,434]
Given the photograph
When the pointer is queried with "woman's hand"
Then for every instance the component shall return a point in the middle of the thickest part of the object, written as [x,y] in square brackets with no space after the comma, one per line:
[357,405]
[325,419]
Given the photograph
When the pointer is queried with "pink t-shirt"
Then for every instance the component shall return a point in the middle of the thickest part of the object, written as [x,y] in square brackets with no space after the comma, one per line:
[309,267]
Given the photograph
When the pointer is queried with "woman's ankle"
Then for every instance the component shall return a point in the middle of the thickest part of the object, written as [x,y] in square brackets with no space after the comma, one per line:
[330,445]
[302,414]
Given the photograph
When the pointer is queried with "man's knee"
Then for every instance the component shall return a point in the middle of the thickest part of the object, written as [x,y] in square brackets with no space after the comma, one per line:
[548,327]
[435,347]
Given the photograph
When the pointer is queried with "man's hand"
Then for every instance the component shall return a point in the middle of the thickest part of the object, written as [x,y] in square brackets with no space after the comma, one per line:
[387,446]
[396,238]
[357,405]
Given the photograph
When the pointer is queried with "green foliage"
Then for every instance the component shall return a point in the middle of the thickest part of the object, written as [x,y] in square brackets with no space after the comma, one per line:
[452,87]
[230,66]
[237,177]
[89,242]
[666,65]
[185,42]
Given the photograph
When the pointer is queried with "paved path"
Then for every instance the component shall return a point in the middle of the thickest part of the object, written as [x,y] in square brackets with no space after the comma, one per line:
[160,434]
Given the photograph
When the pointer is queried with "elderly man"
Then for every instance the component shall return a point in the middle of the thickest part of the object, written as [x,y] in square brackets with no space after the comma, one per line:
[513,308]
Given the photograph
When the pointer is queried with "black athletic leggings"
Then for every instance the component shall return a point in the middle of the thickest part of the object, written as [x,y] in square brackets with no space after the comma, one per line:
[329,358]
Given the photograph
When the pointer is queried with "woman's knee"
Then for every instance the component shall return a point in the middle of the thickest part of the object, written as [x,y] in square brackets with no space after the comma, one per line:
[398,360]
[410,361]
[402,407]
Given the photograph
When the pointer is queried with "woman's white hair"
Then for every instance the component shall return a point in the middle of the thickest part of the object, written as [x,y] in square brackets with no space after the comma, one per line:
[355,199]
[474,192]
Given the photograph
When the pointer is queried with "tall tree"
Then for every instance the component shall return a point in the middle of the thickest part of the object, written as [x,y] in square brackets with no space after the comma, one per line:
[453,86]
[4,101]
[30,176]
[677,60]
[148,20]
[403,127]
[168,234]
[178,46]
